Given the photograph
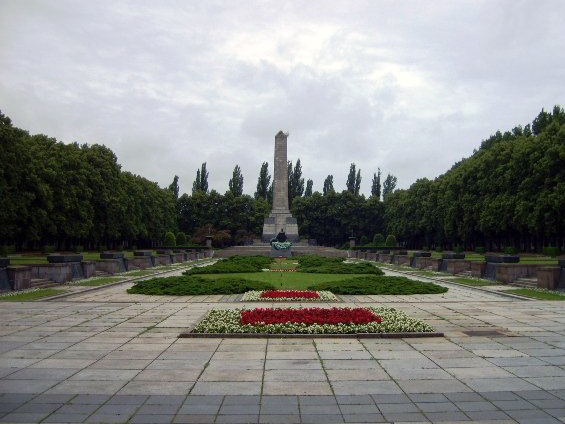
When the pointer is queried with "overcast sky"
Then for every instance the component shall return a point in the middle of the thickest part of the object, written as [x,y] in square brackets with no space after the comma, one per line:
[407,86]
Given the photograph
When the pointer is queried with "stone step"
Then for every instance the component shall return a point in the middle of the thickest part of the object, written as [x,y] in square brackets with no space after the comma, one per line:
[526,282]
[101,274]
[465,274]
[41,283]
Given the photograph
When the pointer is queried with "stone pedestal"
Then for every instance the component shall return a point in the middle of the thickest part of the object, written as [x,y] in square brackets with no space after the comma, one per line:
[19,277]
[548,277]
[280,253]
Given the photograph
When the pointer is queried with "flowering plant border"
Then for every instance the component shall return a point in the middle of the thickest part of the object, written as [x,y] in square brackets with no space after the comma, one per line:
[255,296]
[228,321]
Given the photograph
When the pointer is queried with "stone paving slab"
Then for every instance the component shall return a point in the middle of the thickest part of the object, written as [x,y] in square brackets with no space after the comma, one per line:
[121,361]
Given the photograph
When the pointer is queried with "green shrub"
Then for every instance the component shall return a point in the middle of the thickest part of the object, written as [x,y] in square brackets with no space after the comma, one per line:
[189,285]
[312,260]
[181,239]
[102,248]
[48,248]
[378,239]
[425,248]
[390,241]
[78,248]
[458,249]
[170,240]
[551,251]
[510,251]
[363,241]
[375,284]
[7,249]
[439,249]
[133,247]
[321,265]
[234,264]
[480,250]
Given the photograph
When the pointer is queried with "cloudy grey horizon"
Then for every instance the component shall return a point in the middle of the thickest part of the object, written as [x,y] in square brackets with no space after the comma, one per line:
[409,87]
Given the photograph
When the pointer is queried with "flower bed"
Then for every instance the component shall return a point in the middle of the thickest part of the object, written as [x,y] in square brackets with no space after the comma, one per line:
[310,321]
[288,295]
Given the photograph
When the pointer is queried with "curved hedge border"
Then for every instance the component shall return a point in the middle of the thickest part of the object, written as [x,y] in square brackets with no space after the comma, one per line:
[233,264]
[189,285]
[376,284]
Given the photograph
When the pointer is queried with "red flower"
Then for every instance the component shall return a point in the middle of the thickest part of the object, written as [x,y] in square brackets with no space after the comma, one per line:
[309,316]
[291,294]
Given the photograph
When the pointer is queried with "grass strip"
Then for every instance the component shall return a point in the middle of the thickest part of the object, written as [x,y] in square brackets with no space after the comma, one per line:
[30,295]
[538,294]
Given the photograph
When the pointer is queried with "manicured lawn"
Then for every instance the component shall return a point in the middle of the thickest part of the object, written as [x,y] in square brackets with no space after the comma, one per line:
[538,294]
[284,280]
[472,281]
[28,260]
[33,295]
[99,281]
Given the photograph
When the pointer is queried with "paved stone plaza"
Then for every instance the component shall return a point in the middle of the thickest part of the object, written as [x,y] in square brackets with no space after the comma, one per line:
[102,357]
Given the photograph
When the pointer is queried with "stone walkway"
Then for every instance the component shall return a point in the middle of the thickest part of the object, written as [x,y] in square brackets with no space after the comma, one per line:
[100,357]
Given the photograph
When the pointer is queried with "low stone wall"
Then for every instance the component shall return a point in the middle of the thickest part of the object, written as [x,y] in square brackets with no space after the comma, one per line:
[163,260]
[88,269]
[371,256]
[419,262]
[401,260]
[385,258]
[179,258]
[456,266]
[110,266]
[141,262]
[507,273]
[478,269]
[19,277]
[58,272]
[548,277]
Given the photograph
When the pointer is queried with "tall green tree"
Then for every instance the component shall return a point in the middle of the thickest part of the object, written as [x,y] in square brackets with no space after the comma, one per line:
[376,185]
[309,186]
[174,187]
[295,181]
[389,185]
[263,182]
[328,185]
[357,182]
[201,181]
[351,179]
[236,182]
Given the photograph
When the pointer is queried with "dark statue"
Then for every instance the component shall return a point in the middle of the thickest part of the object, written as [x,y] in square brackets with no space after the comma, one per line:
[281,237]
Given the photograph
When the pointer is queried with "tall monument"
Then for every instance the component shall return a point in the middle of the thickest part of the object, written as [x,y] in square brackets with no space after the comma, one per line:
[280,217]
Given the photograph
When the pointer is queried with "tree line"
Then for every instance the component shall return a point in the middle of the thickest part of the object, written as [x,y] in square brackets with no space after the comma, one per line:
[70,195]
[510,192]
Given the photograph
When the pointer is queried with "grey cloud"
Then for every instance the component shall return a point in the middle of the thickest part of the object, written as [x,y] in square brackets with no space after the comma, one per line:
[410,87]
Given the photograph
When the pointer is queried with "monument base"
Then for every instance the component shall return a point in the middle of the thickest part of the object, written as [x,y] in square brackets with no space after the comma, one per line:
[277,221]
[287,253]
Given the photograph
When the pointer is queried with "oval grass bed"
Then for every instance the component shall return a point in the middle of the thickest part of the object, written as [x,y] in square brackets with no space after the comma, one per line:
[379,285]
[308,321]
[288,296]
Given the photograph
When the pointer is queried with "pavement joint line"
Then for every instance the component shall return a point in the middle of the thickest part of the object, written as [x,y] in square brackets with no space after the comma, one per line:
[117,283]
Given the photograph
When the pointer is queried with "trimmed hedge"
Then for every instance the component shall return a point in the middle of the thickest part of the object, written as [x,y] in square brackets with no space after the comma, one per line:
[375,284]
[189,285]
[321,265]
[234,264]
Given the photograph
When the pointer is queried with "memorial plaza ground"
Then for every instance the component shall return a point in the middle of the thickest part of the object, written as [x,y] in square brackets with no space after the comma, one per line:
[105,356]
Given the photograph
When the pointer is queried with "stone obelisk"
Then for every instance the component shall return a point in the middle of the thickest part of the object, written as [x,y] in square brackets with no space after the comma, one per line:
[280,217]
